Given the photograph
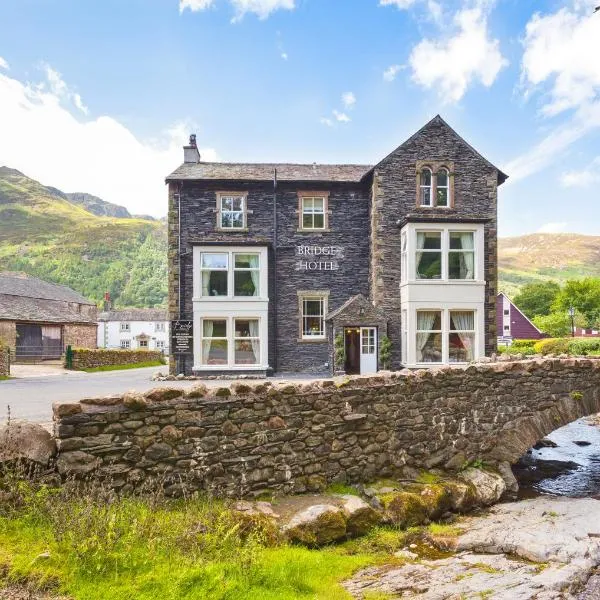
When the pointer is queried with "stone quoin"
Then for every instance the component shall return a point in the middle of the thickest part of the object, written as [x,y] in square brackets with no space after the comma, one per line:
[313,268]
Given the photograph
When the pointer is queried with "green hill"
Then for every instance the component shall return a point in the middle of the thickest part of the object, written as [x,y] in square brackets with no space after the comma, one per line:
[45,234]
[546,256]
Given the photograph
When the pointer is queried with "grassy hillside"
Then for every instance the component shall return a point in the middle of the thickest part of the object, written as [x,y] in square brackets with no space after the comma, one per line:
[46,235]
[544,256]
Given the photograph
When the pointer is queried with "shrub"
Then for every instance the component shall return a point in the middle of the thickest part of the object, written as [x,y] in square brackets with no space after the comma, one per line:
[552,346]
[340,351]
[385,352]
[526,347]
[582,346]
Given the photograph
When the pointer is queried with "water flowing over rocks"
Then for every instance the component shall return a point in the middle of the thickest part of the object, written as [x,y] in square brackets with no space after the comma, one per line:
[534,549]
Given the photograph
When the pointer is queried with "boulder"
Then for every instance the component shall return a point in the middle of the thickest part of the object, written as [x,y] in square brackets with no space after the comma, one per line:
[28,441]
[360,517]
[489,486]
[316,525]
[76,462]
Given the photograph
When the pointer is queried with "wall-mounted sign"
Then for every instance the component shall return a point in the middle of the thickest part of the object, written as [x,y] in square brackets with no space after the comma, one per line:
[318,258]
[182,337]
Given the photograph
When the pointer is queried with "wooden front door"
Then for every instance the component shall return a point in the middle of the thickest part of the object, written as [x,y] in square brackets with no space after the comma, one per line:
[352,337]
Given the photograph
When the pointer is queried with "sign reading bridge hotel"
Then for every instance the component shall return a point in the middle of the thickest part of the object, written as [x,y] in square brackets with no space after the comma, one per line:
[318,258]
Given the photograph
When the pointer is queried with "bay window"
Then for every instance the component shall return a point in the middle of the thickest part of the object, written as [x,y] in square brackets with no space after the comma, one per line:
[230,341]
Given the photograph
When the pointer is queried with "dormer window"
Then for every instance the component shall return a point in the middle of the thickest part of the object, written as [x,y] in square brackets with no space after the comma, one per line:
[435,184]
[425,196]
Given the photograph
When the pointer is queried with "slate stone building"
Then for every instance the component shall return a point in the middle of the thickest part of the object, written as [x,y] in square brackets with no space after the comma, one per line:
[308,267]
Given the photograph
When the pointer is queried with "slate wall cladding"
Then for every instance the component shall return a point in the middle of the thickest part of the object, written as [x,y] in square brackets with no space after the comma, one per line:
[349,214]
[394,198]
[246,439]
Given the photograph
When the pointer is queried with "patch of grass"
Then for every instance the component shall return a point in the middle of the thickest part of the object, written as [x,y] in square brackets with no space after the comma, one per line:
[378,596]
[380,540]
[342,488]
[92,544]
[444,530]
[428,477]
[481,566]
[5,377]
[153,363]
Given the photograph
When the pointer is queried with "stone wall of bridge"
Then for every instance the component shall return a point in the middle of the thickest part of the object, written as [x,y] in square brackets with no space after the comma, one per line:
[247,438]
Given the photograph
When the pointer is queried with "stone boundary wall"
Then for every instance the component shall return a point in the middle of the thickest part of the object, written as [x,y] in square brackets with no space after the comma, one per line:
[248,438]
[84,358]
[4,361]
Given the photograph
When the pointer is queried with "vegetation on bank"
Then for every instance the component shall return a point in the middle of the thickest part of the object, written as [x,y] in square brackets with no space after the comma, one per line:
[152,363]
[566,345]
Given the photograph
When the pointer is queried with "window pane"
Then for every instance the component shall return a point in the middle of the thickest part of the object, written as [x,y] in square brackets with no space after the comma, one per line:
[214,328]
[442,178]
[237,203]
[442,197]
[429,240]
[307,221]
[214,283]
[462,320]
[214,261]
[246,261]
[307,204]
[429,320]
[246,328]
[226,203]
[319,221]
[461,265]
[247,352]
[313,307]
[460,347]
[214,352]
[429,347]
[426,196]
[425,177]
[461,240]
[429,265]
[237,220]
[318,204]
[313,326]
[245,283]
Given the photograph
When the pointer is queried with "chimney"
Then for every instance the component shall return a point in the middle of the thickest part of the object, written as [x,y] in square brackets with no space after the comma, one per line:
[190,152]
[106,305]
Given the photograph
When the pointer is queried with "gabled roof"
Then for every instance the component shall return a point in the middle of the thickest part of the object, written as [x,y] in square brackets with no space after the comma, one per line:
[22,308]
[265,172]
[135,314]
[20,284]
[519,311]
[436,121]
[370,311]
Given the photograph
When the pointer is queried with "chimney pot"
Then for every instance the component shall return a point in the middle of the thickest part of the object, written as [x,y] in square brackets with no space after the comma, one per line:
[190,152]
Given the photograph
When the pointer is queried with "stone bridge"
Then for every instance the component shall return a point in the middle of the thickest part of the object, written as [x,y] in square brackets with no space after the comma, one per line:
[259,436]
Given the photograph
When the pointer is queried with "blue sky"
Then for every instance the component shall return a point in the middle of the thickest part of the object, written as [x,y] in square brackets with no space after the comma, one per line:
[99,96]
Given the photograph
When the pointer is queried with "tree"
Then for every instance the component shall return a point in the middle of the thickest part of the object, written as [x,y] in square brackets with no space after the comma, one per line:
[584,296]
[537,298]
[556,324]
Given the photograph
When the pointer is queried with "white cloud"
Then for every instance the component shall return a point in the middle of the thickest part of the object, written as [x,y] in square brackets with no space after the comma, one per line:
[401,4]
[560,59]
[43,137]
[60,89]
[194,5]
[341,116]
[3,64]
[348,99]
[583,178]
[552,228]
[452,64]
[261,8]
[561,51]
[390,73]
[284,55]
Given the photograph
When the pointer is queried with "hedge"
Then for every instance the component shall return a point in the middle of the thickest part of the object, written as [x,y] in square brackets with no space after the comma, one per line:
[85,358]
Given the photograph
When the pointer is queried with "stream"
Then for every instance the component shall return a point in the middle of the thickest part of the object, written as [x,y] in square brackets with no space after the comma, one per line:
[571,468]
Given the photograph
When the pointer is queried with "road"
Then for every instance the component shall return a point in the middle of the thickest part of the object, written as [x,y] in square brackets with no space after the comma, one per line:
[31,398]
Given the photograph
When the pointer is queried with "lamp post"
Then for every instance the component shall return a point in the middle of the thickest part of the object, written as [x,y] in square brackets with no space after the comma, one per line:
[572,315]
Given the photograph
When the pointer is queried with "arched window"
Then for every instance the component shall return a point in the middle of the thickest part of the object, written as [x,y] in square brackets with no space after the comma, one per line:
[442,187]
[425,191]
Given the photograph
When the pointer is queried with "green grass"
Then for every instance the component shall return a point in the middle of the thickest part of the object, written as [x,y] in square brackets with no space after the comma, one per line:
[342,488]
[5,377]
[152,363]
[99,546]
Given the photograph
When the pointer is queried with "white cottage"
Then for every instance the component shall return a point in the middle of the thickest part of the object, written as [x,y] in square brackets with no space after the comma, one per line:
[135,328]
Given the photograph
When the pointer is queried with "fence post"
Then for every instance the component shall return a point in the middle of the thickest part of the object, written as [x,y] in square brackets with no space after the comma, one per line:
[69,357]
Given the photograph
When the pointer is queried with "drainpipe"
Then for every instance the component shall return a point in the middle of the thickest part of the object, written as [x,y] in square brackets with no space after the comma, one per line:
[179,260]
[275,312]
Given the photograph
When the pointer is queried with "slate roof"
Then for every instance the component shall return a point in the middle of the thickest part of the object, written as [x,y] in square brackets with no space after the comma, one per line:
[20,284]
[265,171]
[135,314]
[370,309]
[22,308]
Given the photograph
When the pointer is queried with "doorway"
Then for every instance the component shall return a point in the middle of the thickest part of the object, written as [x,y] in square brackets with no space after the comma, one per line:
[361,350]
